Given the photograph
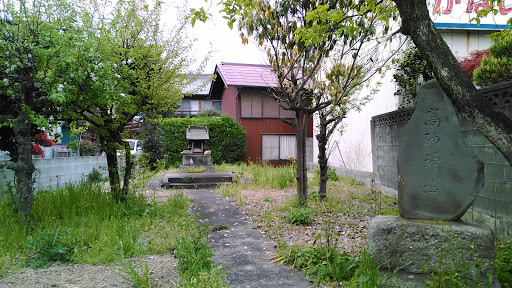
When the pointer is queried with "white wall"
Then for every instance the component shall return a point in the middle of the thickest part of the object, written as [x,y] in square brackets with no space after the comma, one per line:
[55,173]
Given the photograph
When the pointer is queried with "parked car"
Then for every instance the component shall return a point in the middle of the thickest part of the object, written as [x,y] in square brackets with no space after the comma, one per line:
[135,147]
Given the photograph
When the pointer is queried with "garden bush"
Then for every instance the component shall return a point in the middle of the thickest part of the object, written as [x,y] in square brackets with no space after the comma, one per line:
[227,138]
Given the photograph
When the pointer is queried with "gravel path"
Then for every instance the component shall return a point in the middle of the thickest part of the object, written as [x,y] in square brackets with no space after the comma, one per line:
[243,250]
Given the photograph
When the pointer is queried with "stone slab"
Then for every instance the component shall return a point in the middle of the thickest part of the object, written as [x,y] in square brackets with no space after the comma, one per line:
[439,177]
[414,247]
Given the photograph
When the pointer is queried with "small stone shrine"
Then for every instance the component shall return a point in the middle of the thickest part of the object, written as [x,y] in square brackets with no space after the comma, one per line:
[439,178]
[195,155]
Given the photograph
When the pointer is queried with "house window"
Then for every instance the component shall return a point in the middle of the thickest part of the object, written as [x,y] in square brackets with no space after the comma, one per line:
[278,147]
[257,104]
[188,107]
[216,105]
[194,107]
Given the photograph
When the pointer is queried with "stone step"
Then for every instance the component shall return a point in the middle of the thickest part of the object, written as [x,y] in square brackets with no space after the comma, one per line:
[196,180]
[190,185]
[191,180]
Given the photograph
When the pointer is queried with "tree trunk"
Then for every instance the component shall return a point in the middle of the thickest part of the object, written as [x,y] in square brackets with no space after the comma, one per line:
[302,187]
[322,158]
[113,170]
[128,170]
[24,169]
[457,85]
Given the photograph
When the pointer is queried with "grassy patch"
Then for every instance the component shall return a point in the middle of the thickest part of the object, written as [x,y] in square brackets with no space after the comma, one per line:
[263,175]
[83,224]
[195,169]
[321,264]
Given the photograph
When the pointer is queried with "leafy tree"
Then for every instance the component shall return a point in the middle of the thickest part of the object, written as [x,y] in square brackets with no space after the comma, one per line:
[470,63]
[125,65]
[298,36]
[355,61]
[412,71]
[294,62]
[457,85]
[32,35]
[497,67]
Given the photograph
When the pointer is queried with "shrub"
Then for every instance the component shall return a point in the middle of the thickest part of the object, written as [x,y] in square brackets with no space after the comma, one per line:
[496,68]
[209,113]
[227,139]
[88,148]
[152,144]
[472,62]
[95,176]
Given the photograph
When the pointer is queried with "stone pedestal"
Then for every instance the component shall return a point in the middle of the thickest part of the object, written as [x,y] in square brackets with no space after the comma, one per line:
[197,160]
[418,248]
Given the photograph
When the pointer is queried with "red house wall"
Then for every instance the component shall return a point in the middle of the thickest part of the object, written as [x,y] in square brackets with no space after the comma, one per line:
[254,127]
[229,103]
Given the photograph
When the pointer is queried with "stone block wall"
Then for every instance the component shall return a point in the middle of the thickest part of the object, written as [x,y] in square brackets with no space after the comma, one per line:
[493,205]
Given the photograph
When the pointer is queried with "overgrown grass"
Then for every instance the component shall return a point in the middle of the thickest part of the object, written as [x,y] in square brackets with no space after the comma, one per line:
[83,224]
[263,175]
[504,263]
[321,264]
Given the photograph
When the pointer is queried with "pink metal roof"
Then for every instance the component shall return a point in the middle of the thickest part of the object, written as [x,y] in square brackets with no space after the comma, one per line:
[254,75]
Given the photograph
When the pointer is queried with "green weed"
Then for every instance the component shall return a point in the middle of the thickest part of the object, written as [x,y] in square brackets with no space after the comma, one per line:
[136,274]
[195,261]
[47,247]
[95,176]
[219,228]
[503,263]
[321,264]
[299,216]
[331,174]
[367,273]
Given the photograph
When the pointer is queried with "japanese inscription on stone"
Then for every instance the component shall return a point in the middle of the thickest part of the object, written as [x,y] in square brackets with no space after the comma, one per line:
[439,176]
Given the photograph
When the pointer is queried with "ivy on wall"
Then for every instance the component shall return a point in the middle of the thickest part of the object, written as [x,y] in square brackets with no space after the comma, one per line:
[227,138]
[412,71]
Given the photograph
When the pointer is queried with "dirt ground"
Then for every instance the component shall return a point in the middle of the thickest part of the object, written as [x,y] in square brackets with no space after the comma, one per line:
[352,230]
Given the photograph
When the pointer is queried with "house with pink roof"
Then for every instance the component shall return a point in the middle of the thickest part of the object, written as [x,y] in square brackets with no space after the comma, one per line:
[245,91]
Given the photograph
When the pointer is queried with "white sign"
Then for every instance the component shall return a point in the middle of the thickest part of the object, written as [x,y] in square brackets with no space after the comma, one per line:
[457,14]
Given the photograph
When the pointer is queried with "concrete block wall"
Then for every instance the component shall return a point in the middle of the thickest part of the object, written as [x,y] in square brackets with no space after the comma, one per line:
[387,131]
[493,205]
[55,173]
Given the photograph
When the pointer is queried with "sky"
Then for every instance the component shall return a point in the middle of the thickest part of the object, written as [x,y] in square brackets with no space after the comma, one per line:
[215,35]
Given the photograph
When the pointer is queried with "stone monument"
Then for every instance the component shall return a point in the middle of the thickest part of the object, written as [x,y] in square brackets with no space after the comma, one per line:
[439,178]
[195,155]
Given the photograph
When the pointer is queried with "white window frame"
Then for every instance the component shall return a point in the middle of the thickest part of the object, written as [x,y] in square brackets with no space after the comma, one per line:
[279,147]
